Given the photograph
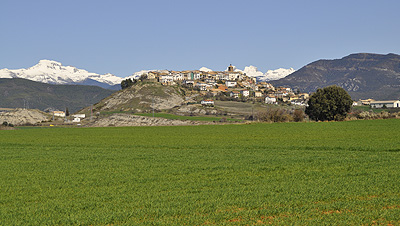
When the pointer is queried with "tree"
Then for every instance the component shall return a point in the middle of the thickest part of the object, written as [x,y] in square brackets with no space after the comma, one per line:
[329,103]
[143,77]
[66,112]
[127,83]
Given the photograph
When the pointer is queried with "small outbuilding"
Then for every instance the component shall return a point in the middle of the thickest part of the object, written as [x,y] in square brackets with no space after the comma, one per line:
[207,102]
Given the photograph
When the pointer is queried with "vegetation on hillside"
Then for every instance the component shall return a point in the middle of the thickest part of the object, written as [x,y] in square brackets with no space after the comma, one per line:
[363,75]
[19,93]
[128,83]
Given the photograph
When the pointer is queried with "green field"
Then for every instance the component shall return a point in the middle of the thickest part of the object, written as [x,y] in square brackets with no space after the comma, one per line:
[191,118]
[334,173]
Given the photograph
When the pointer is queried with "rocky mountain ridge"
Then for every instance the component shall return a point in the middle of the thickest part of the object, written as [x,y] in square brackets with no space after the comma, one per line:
[363,75]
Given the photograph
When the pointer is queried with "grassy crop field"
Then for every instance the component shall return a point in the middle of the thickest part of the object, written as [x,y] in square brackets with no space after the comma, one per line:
[337,173]
[191,118]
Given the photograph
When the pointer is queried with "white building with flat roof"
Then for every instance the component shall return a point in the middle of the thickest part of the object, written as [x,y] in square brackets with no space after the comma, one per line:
[385,103]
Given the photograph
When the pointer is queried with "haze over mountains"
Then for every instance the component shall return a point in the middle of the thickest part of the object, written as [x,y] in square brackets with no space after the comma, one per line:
[53,72]
[363,75]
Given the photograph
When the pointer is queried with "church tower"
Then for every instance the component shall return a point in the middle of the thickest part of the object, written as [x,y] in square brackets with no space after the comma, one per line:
[230,68]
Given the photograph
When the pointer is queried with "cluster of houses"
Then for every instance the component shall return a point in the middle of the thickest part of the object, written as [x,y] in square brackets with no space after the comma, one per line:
[203,79]
[230,82]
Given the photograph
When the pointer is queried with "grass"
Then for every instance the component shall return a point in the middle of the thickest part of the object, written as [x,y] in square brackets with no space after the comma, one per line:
[375,110]
[191,118]
[337,173]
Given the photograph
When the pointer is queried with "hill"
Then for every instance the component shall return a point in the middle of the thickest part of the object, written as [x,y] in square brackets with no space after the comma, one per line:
[23,116]
[18,93]
[142,97]
[363,75]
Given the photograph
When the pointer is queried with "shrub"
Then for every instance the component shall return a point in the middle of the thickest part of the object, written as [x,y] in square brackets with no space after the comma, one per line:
[274,115]
[298,115]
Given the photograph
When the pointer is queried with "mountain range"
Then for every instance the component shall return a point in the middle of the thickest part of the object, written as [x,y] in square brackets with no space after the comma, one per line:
[53,72]
[363,75]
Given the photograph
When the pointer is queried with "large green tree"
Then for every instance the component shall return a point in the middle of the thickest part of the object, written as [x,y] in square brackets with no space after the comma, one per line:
[329,103]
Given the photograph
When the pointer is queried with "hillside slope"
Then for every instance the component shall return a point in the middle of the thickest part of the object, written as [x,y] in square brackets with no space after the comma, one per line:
[18,93]
[24,116]
[142,97]
[363,75]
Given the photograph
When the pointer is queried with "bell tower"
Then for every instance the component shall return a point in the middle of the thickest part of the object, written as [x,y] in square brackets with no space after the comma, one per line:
[230,68]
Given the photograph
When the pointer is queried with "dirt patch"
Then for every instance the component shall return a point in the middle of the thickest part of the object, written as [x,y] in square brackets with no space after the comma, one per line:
[136,120]
[23,117]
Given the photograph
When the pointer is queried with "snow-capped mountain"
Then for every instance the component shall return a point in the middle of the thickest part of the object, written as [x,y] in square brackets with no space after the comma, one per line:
[204,69]
[53,72]
[277,74]
[270,75]
[252,71]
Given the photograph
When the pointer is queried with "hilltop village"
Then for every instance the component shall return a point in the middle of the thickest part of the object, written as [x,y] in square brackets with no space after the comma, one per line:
[223,85]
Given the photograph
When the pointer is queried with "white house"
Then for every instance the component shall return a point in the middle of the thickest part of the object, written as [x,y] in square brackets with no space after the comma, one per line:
[59,113]
[245,93]
[298,102]
[387,103]
[202,86]
[230,84]
[166,79]
[178,76]
[79,116]
[270,100]
[76,120]
[207,102]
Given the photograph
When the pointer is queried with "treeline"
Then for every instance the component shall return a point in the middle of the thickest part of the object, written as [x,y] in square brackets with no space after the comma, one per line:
[130,82]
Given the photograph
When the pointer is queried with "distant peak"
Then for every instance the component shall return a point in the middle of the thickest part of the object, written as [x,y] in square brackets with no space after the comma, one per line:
[49,62]
[44,61]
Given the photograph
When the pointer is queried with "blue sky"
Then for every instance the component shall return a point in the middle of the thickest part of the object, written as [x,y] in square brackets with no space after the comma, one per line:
[122,37]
